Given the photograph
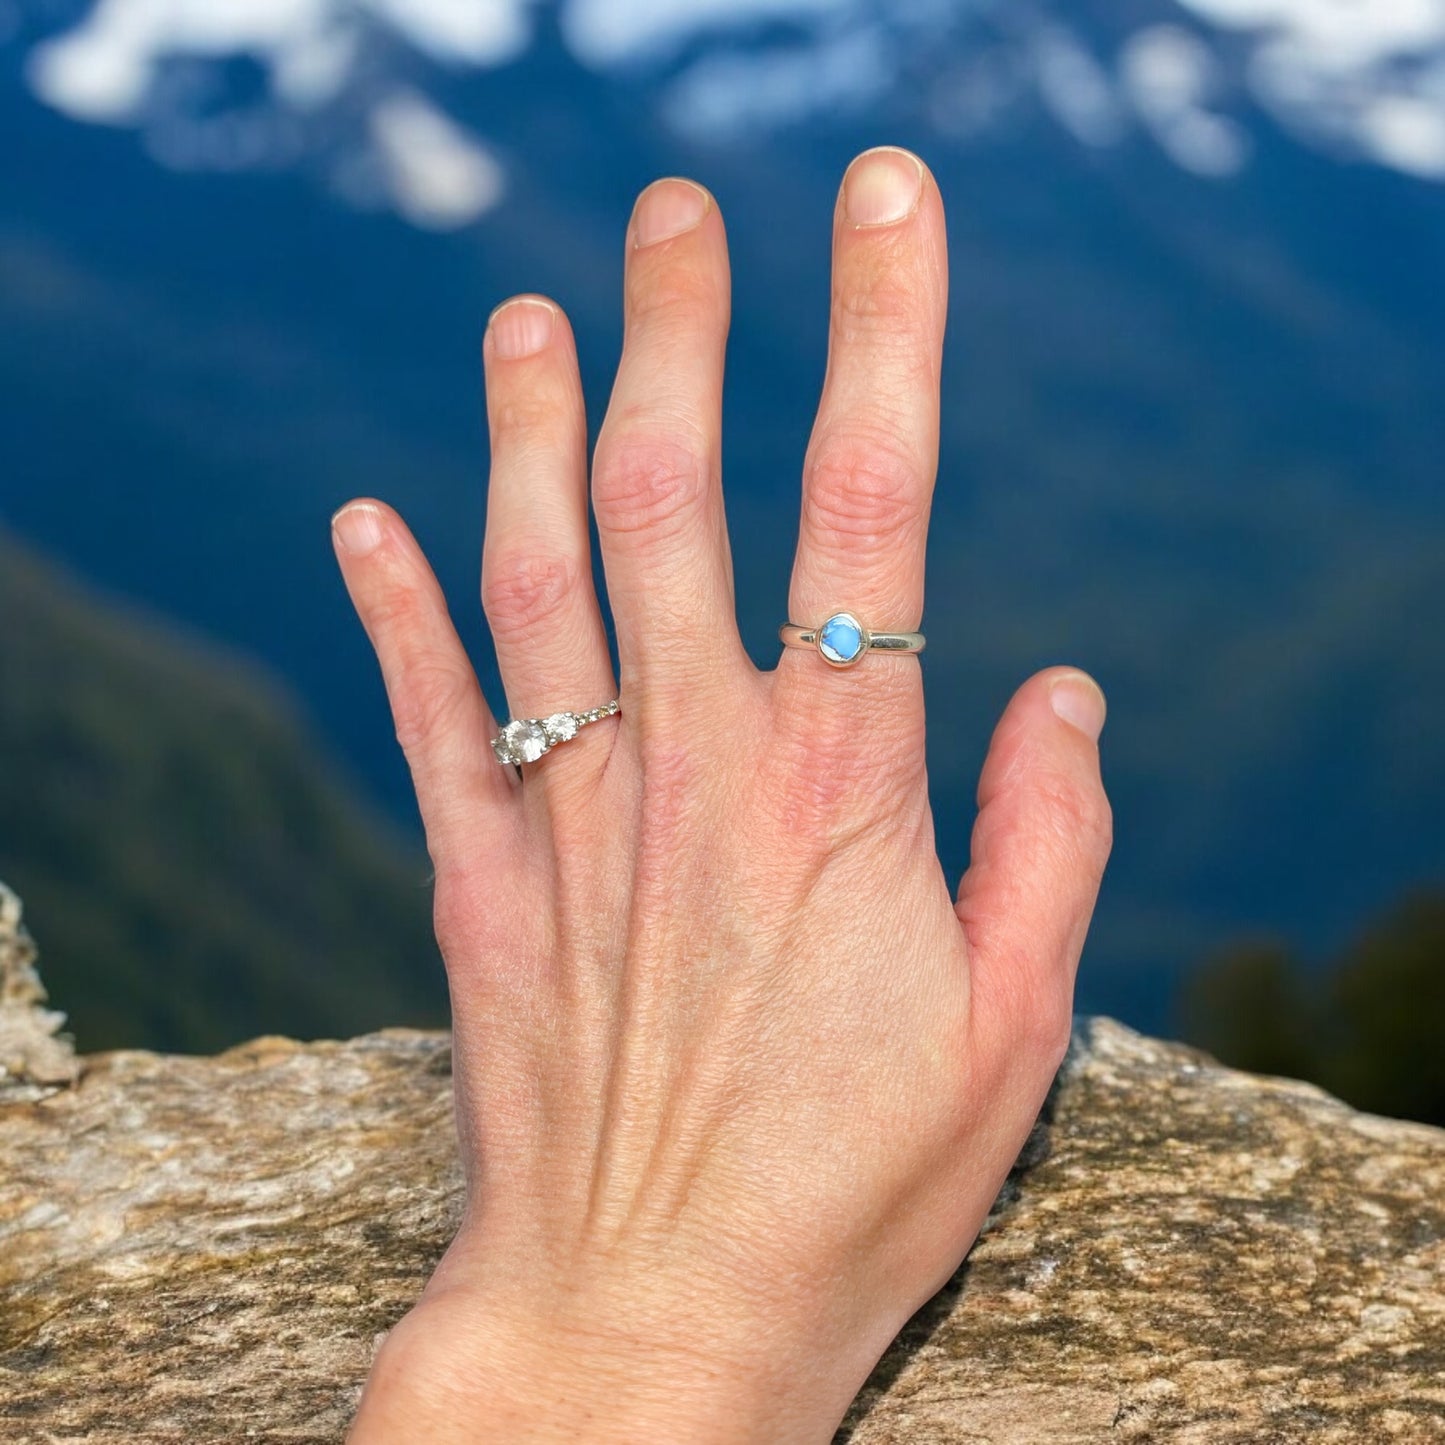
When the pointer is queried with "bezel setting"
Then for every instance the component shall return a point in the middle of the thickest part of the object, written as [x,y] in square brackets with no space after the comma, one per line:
[830,654]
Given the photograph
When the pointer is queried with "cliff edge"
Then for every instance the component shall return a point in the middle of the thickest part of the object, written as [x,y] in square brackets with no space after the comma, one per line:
[206,1249]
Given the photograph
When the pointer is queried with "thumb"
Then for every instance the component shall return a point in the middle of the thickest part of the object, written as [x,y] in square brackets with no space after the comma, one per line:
[1040,843]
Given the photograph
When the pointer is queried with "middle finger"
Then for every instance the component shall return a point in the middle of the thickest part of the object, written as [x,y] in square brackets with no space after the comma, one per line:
[656,483]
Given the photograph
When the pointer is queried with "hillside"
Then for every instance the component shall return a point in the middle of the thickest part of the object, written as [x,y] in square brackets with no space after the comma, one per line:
[1192,387]
[200,872]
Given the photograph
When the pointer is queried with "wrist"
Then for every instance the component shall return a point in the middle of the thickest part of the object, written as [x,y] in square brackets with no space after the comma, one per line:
[458,1369]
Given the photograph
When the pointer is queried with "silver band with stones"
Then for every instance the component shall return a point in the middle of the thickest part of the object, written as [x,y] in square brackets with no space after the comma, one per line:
[525,739]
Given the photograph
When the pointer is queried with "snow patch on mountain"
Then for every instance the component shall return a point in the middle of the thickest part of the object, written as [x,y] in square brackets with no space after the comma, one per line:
[1077,89]
[342,81]
[118,67]
[104,68]
[1367,76]
[1172,76]
[611,32]
[438,175]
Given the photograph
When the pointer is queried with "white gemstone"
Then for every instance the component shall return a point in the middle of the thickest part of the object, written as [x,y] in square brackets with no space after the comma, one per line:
[525,739]
[561,726]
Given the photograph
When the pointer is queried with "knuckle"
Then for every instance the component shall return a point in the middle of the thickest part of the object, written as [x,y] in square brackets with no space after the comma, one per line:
[1103,826]
[528,421]
[522,592]
[648,483]
[675,295]
[862,489]
[396,609]
[824,788]
[465,916]
[541,422]
[668,840]
[453,909]
[1079,816]
[879,301]
[429,698]
[669,778]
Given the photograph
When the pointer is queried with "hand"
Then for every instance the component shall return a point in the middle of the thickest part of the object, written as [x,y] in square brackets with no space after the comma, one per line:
[736,1077]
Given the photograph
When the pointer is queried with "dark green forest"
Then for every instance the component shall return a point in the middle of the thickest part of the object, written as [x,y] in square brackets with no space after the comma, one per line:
[193,868]
[1366,1027]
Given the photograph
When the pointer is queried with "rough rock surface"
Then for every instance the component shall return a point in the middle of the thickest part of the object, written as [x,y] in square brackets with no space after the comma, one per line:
[198,1249]
[33,1054]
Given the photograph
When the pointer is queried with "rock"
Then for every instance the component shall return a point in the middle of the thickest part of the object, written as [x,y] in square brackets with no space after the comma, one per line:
[207,1249]
[34,1057]
[1187,1254]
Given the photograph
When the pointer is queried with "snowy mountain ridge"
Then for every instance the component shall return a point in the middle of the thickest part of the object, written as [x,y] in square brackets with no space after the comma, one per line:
[341,87]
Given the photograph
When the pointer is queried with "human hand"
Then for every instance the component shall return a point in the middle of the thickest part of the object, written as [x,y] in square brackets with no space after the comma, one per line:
[736,1077]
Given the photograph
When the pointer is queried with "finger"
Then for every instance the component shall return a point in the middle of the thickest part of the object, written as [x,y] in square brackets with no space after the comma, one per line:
[868,476]
[1040,844]
[656,486]
[536,564]
[442,721]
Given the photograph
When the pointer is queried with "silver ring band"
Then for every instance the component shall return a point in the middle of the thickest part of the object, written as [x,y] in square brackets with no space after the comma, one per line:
[525,739]
[842,641]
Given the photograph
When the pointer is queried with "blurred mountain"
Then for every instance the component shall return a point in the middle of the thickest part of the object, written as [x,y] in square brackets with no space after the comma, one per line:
[195,870]
[1194,385]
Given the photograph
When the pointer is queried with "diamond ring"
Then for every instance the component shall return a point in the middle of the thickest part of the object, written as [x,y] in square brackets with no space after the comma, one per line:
[525,739]
[842,640]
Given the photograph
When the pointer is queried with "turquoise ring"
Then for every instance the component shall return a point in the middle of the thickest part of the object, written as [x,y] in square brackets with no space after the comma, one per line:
[843,641]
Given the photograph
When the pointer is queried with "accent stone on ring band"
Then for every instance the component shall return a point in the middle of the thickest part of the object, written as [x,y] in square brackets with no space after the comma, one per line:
[525,739]
[842,640]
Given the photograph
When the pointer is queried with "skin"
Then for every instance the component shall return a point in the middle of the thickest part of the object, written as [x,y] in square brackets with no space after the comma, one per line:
[737,1074]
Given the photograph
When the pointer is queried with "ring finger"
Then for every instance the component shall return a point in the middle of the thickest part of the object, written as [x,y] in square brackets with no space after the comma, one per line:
[537,587]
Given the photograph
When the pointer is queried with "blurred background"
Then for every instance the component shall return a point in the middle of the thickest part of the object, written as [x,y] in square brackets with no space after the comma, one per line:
[1194,415]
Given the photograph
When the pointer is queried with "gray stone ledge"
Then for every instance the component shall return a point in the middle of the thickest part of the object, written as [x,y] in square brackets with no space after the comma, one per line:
[207,1249]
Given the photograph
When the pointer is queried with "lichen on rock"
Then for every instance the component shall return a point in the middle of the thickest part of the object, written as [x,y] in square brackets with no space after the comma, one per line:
[207,1249]
[35,1058]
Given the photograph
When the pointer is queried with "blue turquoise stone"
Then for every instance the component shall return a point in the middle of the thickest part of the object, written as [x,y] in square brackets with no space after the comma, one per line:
[840,639]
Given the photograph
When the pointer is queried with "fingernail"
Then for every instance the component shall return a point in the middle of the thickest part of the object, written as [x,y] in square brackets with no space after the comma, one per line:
[358,528]
[1079,700]
[882,186]
[521,327]
[668,208]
